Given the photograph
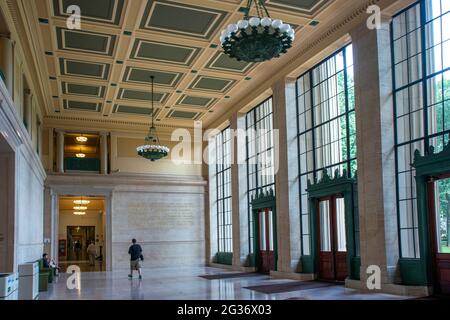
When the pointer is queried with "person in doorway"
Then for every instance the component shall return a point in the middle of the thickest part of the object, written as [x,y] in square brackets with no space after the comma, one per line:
[92,253]
[77,249]
[135,252]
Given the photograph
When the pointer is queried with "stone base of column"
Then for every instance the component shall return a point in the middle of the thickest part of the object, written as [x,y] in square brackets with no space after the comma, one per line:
[293,275]
[231,268]
[390,288]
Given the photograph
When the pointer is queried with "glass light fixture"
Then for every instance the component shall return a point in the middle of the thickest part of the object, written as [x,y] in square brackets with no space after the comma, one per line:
[257,39]
[81,202]
[80,208]
[82,138]
[79,213]
[80,155]
[152,150]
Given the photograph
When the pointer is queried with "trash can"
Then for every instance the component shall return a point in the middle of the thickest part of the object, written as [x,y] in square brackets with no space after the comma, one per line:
[28,281]
[9,283]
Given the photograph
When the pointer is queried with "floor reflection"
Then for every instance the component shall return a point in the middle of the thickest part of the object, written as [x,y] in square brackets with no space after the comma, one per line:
[186,284]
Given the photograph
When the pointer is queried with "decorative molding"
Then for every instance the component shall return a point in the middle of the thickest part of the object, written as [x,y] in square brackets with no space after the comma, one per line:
[431,156]
[113,122]
[329,179]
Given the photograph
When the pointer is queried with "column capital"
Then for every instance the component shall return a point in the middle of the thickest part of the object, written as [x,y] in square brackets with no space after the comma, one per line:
[104,133]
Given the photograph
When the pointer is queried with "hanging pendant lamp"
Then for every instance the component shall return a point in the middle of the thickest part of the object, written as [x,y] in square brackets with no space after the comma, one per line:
[257,39]
[152,149]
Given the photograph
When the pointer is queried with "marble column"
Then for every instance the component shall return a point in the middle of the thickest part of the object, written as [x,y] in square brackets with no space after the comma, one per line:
[60,152]
[104,152]
[375,142]
[286,179]
[238,191]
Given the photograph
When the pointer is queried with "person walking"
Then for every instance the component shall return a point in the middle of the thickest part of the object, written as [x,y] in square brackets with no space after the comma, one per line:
[135,252]
[92,253]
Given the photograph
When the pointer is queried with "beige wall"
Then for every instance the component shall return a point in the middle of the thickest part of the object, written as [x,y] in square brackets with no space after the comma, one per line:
[125,159]
[167,221]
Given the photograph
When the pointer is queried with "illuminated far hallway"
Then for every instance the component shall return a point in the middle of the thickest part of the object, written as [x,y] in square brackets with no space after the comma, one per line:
[314,165]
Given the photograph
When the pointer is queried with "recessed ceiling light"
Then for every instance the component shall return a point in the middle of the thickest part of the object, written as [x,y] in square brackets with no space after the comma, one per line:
[79,213]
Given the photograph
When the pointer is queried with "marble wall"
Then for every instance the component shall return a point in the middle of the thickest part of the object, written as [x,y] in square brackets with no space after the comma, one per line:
[29,210]
[168,223]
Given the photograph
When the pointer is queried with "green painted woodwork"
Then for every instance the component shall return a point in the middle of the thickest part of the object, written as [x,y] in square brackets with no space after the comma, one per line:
[86,164]
[211,84]
[104,11]
[163,52]
[143,76]
[195,101]
[262,201]
[355,268]
[170,17]
[329,186]
[413,271]
[98,43]
[81,89]
[86,69]
[81,105]
[221,61]
[2,76]
[128,94]
[305,6]
[183,114]
[224,258]
[420,271]
[134,110]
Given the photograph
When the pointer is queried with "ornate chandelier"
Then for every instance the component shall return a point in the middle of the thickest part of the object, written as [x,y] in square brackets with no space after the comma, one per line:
[152,150]
[257,39]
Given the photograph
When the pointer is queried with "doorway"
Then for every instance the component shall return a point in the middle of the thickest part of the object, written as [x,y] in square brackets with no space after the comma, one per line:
[82,221]
[332,241]
[439,218]
[266,242]
[78,239]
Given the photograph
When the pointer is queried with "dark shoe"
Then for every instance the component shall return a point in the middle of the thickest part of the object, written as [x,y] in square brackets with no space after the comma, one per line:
[140,277]
[130,276]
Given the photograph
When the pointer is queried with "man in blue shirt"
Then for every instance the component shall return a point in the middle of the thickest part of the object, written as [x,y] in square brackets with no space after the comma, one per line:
[135,252]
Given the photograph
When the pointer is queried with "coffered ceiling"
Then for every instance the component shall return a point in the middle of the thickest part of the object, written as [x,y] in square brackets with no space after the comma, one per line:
[103,70]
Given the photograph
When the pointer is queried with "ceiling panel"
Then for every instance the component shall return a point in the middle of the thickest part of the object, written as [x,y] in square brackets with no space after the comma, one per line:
[184,19]
[103,11]
[104,69]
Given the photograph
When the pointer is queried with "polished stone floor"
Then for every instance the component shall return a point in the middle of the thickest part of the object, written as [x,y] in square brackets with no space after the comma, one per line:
[185,284]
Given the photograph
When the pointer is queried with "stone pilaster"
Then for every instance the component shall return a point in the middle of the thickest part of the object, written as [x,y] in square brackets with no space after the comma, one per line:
[375,142]
[238,189]
[104,153]
[286,170]
[60,152]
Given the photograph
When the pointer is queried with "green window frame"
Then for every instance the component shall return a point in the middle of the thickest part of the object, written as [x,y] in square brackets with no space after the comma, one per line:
[326,126]
[420,41]
[259,157]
